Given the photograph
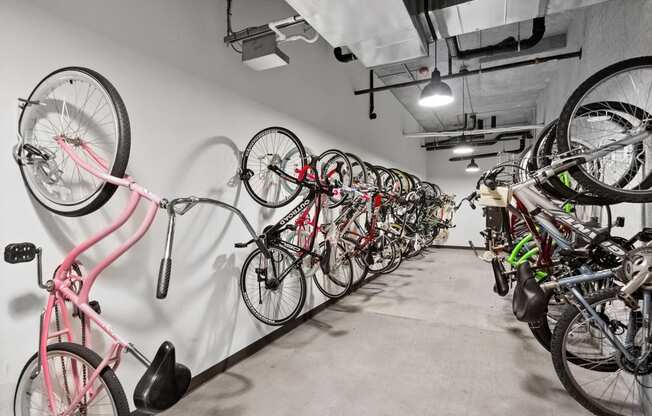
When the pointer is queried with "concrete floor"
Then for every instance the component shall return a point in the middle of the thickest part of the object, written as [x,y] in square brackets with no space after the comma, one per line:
[430,339]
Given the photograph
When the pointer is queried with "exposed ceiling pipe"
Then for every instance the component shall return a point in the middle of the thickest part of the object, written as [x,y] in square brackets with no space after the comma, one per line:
[258,31]
[520,148]
[509,44]
[343,57]
[475,140]
[471,140]
[450,133]
[461,74]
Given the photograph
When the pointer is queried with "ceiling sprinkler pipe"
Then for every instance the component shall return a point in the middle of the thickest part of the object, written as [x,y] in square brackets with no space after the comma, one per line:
[452,133]
[506,45]
[462,74]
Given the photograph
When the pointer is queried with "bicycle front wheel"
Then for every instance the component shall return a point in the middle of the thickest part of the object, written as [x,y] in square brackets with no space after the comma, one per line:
[619,103]
[271,156]
[334,279]
[591,368]
[83,109]
[70,366]
[273,289]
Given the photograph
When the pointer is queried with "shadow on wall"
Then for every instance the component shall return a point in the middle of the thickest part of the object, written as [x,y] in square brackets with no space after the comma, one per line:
[206,225]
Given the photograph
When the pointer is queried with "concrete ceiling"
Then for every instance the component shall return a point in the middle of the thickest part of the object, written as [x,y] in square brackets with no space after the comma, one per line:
[510,95]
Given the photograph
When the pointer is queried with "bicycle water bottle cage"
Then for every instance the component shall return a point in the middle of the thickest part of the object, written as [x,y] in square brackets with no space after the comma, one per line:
[530,302]
[164,383]
[20,253]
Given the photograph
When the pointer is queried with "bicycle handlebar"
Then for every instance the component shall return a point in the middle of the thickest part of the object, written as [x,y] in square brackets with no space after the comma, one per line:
[180,206]
[471,198]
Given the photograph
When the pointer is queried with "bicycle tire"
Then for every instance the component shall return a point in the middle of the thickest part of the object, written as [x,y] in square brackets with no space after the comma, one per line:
[557,353]
[245,297]
[111,382]
[118,164]
[247,172]
[641,193]
[344,285]
[357,163]
[344,173]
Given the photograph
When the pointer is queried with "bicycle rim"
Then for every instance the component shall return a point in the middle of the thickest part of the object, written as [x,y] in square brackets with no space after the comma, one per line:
[83,109]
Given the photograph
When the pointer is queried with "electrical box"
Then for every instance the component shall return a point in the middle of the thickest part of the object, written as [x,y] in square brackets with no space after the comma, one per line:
[262,53]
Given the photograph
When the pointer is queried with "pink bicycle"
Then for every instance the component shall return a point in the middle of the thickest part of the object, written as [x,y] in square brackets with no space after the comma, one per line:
[73,148]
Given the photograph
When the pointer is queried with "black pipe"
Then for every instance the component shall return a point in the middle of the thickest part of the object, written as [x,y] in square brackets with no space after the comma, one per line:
[509,44]
[343,57]
[372,112]
[471,140]
[431,27]
[452,146]
[493,122]
[461,74]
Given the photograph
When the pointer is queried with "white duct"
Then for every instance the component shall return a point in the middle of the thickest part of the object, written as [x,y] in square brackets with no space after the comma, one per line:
[378,32]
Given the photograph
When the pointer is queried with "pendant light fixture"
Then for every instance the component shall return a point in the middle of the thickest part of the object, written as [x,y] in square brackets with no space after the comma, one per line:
[437,93]
[472,167]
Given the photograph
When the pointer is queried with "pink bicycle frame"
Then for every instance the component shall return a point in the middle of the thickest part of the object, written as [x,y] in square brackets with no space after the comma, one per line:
[61,289]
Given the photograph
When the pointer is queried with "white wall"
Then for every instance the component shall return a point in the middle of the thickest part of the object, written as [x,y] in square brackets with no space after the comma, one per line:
[453,179]
[192,105]
[607,33]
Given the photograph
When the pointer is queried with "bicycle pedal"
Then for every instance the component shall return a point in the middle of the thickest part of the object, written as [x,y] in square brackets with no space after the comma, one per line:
[20,253]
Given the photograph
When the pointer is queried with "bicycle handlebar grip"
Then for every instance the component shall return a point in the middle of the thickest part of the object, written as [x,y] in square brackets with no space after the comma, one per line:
[164,278]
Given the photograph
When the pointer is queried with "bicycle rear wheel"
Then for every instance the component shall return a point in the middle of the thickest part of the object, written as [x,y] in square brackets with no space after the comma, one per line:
[373,177]
[359,170]
[404,180]
[388,180]
[335,168]
[590,367]
[69,365]
[270,155]
[622,91]
[83,109]
[334,280]
[270,300]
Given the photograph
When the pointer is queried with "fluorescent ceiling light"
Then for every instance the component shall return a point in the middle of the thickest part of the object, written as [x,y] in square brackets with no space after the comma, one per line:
[463,150]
